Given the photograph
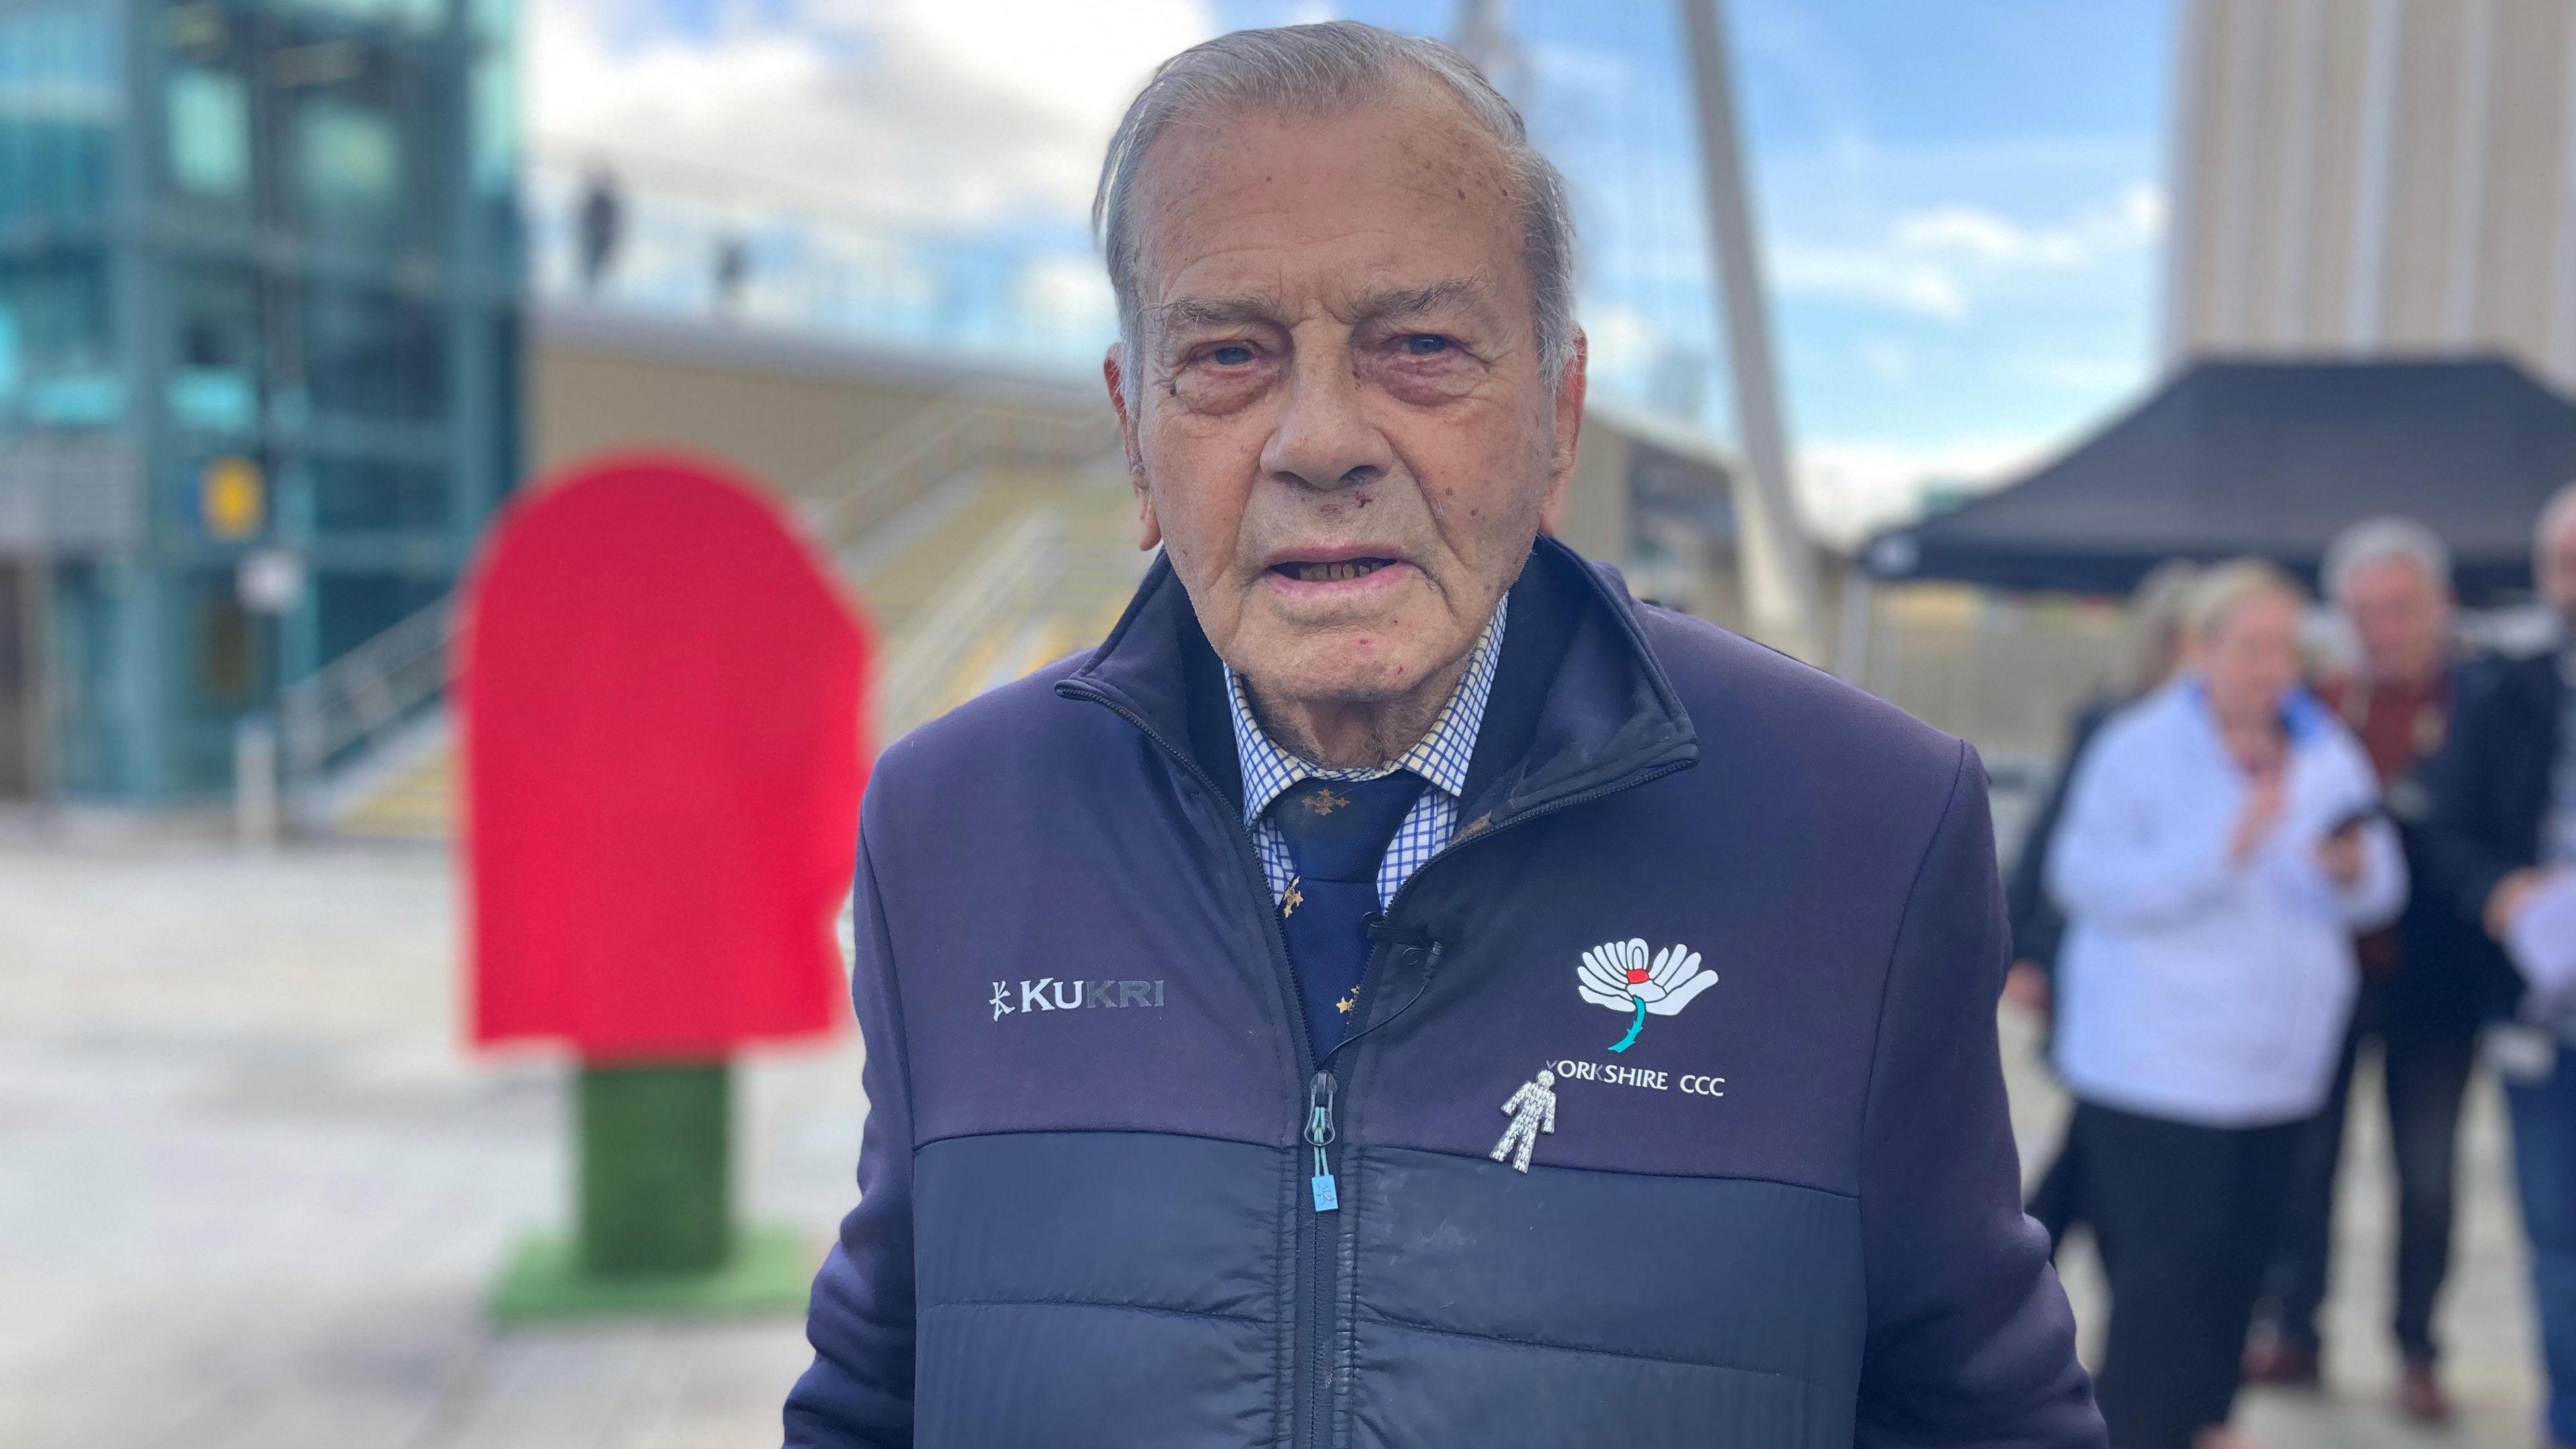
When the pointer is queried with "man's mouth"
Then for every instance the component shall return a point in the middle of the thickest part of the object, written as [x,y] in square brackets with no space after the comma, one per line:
[1338,571]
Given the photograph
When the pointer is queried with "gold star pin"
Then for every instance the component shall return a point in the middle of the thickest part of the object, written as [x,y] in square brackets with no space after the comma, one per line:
[1325,802]
[1290,900]
[1346,1003]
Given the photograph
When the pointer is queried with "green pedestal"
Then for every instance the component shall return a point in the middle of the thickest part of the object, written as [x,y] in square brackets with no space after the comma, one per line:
[655,1231]
[770,1270]
[656,1168]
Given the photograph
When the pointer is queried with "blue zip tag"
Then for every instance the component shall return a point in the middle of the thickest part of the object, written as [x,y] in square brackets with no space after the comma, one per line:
[1327,1196]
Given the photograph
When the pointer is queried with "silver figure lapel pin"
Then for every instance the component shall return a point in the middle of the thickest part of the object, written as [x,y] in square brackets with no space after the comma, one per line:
[1533,1110]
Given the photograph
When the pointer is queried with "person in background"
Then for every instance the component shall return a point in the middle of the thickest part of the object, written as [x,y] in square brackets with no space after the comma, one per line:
[2156,650]
[2501,829]
[2220,846]
[2391,580]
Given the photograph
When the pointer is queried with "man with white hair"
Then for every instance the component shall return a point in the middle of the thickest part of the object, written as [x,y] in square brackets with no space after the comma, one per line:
[1192,969]
[2501,842]
[2390,578]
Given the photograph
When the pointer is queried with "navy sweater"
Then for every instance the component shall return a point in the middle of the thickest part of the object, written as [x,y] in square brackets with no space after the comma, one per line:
[1788,1214]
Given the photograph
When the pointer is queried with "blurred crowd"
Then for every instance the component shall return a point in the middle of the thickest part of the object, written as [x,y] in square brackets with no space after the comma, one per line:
[2250,871]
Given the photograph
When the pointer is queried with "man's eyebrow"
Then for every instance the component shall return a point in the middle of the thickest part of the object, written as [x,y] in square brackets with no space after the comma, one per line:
[1214,311]
[1402,302]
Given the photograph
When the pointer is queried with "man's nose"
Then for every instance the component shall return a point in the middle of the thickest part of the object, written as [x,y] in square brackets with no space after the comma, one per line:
[1324,439]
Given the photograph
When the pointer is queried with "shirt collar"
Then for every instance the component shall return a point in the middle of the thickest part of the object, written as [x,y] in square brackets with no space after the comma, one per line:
[1440,756]
[2301,715]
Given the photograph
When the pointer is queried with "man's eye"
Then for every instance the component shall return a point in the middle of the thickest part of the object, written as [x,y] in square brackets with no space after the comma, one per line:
[1233,354]
[1425,344]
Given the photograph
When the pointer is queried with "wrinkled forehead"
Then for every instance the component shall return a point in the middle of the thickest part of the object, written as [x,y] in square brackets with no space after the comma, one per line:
[2391,573]
[1318,209]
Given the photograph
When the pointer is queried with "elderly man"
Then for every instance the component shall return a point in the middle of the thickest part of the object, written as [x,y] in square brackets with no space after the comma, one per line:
[2421,991]
[2501,842]
[1207,978]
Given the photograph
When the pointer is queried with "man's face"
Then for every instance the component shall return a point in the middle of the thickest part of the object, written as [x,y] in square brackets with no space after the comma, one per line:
[2400,615]
[1342,436]
[2554,563]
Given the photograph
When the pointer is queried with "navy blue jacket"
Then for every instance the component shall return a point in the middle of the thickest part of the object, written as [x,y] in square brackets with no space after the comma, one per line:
[2484,795]
[1787,1215]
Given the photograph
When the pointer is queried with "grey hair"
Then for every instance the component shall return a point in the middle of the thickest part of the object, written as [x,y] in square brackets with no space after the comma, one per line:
[2223,587]
[2559,512]
[1327,70]
[2386,540]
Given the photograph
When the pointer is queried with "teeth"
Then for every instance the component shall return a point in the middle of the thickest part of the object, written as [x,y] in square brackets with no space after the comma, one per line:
[1334,573]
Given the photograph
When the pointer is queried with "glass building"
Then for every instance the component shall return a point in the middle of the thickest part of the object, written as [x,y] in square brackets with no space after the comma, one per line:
[259,294]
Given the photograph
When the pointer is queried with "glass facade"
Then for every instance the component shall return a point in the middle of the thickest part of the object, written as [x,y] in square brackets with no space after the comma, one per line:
[265,238]
[58,132]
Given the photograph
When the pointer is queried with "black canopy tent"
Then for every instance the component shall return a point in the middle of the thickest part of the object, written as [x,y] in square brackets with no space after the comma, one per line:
[2270,458]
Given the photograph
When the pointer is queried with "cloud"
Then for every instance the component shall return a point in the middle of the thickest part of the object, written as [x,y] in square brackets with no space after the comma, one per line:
[2106,374]
[1938,261]
[1620,338]
[1887,359]
[1069,291]
[943,113]
[1852,487]
[2134,220]
[1881,276]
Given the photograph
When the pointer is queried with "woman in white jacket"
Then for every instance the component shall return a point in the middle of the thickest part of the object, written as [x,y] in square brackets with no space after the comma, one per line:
[2221,845]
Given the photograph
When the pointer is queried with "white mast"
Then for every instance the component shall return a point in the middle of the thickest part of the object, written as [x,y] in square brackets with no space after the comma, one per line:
[1779,571]
[1484,36]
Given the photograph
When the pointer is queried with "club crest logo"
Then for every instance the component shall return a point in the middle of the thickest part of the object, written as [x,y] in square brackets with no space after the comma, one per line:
[1618,975]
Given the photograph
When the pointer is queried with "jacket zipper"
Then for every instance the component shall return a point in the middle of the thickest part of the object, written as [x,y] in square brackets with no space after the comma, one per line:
[1314,1286]
[1323,1088]
[1311,1395]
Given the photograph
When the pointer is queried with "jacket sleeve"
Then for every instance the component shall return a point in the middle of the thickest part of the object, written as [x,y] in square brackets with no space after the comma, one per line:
[1970,1339]
[2123,855]
[2461,858]
[858,1392]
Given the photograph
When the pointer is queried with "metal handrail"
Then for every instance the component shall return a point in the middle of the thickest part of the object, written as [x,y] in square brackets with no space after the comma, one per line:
[974,425]
[363,694]
[1019,562]
[366,694]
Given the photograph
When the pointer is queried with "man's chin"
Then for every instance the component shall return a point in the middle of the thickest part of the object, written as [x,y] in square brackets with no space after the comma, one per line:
[1339,666]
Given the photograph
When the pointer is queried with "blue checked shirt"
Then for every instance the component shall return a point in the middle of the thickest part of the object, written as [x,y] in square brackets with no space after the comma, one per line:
[1440,757]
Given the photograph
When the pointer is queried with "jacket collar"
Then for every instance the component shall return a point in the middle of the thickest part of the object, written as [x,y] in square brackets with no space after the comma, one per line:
[1580,704]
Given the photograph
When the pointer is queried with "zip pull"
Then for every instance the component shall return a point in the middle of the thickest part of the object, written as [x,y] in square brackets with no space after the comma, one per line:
[1319,1134]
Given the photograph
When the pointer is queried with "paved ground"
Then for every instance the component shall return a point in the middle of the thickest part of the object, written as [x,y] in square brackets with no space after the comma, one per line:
[250,1189]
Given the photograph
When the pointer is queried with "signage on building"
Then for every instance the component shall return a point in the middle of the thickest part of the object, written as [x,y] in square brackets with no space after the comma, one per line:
[232,497]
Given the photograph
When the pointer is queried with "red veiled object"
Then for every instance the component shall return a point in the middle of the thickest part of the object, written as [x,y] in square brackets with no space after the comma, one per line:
[663,717]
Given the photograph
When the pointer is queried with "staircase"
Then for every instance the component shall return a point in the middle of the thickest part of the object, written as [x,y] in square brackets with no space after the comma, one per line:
[1049,580]
[991,534]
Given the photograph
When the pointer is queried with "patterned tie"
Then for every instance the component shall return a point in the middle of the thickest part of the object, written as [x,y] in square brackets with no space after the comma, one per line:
[1337,832]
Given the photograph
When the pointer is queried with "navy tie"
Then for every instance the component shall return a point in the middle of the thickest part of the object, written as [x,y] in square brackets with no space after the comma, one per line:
[1337,832]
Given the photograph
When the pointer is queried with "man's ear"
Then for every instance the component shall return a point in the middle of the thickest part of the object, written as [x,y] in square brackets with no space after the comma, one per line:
[1567,435]
[1113,373]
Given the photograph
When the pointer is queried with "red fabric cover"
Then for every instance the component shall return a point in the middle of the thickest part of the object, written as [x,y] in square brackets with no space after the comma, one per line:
[662,730]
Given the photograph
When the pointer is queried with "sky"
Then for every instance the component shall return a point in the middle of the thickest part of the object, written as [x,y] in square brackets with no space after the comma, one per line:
[1959,202]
